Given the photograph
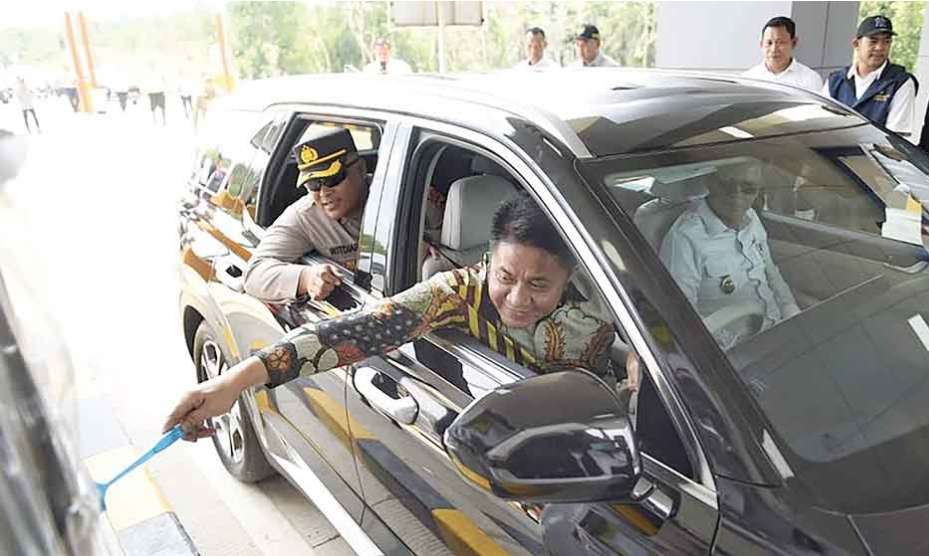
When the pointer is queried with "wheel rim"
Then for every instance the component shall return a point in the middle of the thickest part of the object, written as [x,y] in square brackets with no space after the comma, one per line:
[228,439]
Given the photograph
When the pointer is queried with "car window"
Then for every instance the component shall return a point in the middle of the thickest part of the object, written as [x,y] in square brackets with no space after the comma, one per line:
[466,195]
[278,187]
[803,258]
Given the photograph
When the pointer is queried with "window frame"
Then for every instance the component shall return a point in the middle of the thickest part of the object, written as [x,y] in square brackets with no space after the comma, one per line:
[296,114]
[530,178]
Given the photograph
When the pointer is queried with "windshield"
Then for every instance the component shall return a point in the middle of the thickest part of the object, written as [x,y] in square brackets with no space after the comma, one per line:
[802,256]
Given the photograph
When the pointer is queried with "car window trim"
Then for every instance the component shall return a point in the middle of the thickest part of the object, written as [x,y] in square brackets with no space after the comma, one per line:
[303,111]
[535,181]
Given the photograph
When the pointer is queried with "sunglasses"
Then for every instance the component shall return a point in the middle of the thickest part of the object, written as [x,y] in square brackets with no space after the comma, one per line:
[332,181]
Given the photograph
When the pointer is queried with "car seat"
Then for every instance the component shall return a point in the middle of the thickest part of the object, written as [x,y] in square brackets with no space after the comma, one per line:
[655,217]
[469,211]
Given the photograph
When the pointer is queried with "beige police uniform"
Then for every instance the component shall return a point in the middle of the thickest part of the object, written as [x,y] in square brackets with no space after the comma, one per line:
[273,272]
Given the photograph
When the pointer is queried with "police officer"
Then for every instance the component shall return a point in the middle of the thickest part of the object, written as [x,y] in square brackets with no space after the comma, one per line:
[587,43]
[883,92]
[327,221]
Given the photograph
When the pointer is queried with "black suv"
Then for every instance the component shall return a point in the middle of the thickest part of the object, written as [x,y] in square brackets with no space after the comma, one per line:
[808,435]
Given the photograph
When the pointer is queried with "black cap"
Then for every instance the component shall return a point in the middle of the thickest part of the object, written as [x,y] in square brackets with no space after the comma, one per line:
[322,160]
[875,25]
[588,31]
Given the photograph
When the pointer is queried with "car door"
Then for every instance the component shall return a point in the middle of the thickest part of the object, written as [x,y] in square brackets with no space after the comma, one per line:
[401,404]
[306,418]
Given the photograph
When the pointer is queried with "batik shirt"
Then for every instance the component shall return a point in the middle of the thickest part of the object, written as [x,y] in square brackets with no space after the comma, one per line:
[571,336]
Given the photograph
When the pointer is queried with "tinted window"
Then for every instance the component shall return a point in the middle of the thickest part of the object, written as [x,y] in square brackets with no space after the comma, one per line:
[802,256]
[650,112]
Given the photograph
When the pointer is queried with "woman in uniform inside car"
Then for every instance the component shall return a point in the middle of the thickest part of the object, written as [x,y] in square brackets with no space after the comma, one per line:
[515,302]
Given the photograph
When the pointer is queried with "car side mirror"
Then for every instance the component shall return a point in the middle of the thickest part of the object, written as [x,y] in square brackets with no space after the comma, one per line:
[559,437]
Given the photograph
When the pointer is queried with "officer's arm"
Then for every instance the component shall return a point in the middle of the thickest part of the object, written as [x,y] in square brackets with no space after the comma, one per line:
[272,275]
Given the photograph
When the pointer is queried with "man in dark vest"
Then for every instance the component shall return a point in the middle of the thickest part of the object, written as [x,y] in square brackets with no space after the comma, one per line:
[881,91]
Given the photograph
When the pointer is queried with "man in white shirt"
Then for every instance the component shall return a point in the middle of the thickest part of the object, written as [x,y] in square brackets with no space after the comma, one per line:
[881,91]
[535,52]
[587,43]
[717,251]
[778,40]
[384,63]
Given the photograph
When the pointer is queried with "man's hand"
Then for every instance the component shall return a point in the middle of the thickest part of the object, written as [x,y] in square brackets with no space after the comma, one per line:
[318,281]
[214,398]
[209,399]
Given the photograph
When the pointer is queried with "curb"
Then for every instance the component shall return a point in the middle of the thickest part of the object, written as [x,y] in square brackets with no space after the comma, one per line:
[139,516]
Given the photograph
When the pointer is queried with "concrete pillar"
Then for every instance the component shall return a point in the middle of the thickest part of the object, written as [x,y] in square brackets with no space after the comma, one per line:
[725,36]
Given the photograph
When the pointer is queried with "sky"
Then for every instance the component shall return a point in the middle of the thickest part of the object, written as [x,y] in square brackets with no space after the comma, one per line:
[43,13]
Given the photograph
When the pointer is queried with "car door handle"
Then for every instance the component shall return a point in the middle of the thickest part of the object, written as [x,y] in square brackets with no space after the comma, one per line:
[230,275]
[402,409]
[653,499]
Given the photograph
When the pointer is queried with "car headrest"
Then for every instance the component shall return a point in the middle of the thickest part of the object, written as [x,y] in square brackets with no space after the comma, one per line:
[483,165]
[681,190]
[656,217]
[469,210]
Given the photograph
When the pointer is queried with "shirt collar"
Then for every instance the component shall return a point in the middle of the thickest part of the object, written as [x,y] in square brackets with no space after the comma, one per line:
[790,67]
[595,61]
[713,224]
[853,71]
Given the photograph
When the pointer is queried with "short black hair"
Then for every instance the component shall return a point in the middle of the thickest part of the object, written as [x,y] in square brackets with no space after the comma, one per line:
[536,31]
[520,220]
[782,21]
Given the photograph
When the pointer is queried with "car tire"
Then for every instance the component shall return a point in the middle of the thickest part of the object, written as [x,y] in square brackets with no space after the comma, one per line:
[235,440]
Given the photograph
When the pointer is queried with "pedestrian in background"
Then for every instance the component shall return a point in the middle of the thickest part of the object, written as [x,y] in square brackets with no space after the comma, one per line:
[26,98]
[535,51]
[186,91]
[120,86]
[778,40]
[156,97]
[384,63]
[881,91]
[587,43]
[204,98]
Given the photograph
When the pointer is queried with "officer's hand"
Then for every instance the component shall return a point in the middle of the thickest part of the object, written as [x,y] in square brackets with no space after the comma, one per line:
[318,281]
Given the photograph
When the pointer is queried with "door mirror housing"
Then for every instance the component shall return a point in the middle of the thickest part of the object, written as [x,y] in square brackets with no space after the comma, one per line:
[559,437]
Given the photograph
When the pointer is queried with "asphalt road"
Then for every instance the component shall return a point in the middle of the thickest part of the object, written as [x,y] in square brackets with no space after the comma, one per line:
[93,215]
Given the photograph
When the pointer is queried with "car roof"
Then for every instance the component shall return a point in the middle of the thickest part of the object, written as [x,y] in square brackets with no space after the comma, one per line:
[586,109]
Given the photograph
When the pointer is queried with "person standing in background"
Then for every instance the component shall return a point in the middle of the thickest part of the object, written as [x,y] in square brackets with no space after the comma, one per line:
[186,92]
[26,99]
[881,91]
[156,96]
[384,63]
[535,51]
[587,43]
[778,40]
